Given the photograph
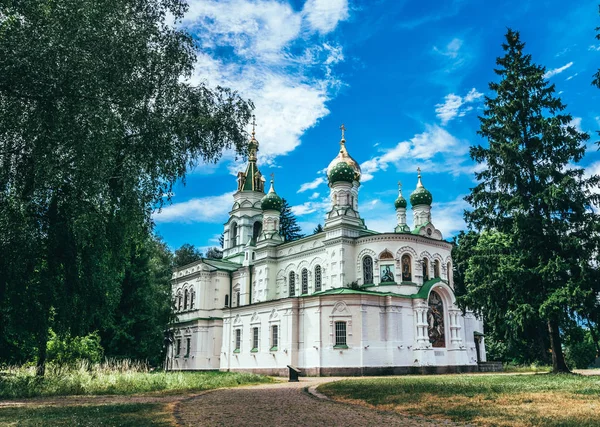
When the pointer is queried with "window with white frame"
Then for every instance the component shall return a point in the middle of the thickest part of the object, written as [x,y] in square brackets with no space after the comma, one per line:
[255,339]
[318,278]
[238,340]
[185,299]
[292,284]
[340,334]
[238,299]
[274,337]
[188,347]
[192,298]
[367,270]
[304,281]
[178,348]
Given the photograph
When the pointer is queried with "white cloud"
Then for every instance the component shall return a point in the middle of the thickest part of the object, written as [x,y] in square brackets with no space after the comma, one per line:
[205,209]
[324,15]
[448,216]
[570,77]
[421,150]
[576,123]
[594,47]
[314,196]
[311,207]
[451,50]
[271,59]
[556,71]
[456,106]
[311,185]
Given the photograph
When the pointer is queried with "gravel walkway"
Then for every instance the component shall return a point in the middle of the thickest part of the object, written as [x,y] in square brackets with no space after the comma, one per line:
[282,404]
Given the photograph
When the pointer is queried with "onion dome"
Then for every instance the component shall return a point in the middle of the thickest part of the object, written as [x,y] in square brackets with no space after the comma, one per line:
[271,201]
[342,172]
[400,201]
[344,157]
[421,196]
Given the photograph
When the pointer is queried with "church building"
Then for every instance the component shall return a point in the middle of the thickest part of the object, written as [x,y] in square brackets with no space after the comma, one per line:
[345,301]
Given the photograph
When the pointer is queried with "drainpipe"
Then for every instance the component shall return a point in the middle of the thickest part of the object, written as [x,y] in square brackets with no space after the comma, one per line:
[228,355]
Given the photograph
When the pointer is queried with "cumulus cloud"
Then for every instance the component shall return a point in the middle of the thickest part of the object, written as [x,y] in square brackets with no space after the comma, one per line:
[422,150]
[456,106]
[279,58]
[324,15]
[205,209]
[556,71]
[311,185]
[310,207]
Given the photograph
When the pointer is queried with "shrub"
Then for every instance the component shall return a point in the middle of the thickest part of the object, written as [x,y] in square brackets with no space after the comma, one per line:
[66,349]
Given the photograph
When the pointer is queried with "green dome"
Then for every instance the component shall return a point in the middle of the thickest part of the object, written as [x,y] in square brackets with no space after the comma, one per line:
[400,202]
[341,172]
[271,201]
[421,196]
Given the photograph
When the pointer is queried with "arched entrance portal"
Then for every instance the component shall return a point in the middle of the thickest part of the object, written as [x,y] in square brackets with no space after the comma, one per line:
[436,327]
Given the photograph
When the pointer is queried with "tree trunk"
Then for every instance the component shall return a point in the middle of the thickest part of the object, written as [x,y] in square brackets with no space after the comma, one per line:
[558,359]
[41,362]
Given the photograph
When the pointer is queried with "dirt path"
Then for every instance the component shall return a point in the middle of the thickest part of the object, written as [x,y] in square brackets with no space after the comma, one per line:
[282,404]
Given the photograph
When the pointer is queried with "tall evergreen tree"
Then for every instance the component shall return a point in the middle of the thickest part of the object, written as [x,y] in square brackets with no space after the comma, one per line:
[97,123]
[186,254]
[531,205]
[318,229]
[288,226]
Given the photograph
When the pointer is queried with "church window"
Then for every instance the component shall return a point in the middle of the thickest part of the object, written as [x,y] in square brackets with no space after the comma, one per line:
[179,301]
[238,299]
[425,269]
[233,232]
[256,229]
[406,268]
[340,334]
[188,346]
[436,268]
[192,298]
[318,278]
[254,339]
[226,301]
[367,270]
[435,321]
[178,352]
[185,299]
[304,281]
[238,340]
[274,337]
[292,284]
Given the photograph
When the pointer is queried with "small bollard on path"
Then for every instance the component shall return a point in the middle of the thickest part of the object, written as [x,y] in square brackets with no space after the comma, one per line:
[294,372]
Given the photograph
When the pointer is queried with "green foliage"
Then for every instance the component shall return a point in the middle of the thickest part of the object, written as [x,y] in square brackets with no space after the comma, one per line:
[353,285]
[288,225]
[136,330]
[98,123]
[214,253]
[318,229]
[67,349]
[113,377]
[186,254]
[533,259]
[580,349]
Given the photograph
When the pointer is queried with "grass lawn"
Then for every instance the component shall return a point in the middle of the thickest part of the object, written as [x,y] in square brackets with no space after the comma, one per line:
[113,378]
[489,400]
[125,415]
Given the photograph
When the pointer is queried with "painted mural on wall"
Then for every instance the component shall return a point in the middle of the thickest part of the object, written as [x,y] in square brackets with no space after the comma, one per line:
[387,273]
[435,320]
[406,274]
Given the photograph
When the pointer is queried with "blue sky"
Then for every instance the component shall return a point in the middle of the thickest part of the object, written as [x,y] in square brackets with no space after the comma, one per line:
[406,78]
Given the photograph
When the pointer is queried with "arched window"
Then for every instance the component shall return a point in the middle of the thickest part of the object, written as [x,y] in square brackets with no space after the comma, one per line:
[435,321]
[192,298]
[179,301]
[238,299]
[406,268]
[318,279]
[233,234]
[304,281]
[226,300]
[185,299]
[436,268]
[425,269]
[292,284]
[256,229]
[367,270]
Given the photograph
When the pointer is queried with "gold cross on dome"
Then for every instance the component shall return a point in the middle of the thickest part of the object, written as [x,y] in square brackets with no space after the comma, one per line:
[253,124]
[343,128]
[419,170]
[399,185]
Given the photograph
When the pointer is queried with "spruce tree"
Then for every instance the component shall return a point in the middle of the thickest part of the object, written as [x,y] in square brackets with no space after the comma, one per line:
[532,205]
[318,229]
[288,225]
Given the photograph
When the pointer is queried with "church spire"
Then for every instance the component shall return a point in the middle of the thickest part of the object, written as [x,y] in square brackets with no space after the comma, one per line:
[252,179]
